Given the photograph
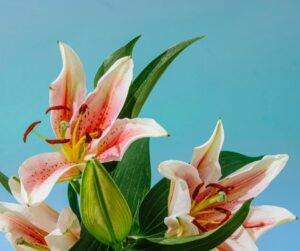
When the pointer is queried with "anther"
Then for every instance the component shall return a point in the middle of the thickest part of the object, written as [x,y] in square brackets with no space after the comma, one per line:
[57,141]
[223,211]
[88,138]
[29,129]
[220,187]
[58,107]
[198,225]
[196,191]
[83,108]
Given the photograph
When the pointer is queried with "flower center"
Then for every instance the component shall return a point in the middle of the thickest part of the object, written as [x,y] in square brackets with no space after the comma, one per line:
[72,148]
[206,210]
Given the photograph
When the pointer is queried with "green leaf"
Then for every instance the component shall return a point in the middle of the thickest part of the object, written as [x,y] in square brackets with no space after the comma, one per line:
[4,181]
[203,242]
[104,210]
[124,51]
[88,242]
[73,201]
[154,209]
[146,80]
[232,161]
[133,174]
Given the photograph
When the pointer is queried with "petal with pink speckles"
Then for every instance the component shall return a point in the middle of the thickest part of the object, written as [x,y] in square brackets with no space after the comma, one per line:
[106,101]
[114,144]
[206,157]
[263,218]
[68,89]
[39,174]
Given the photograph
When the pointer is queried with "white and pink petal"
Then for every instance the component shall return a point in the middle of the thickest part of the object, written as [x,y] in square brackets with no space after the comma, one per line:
[122,134]
[104,104]
[175,169]
[263,218]
[68,90]
[249,181]
[239,241]
[39,174]
[206,157]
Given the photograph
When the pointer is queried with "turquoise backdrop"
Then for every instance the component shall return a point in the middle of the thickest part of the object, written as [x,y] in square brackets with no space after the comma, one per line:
[246,71]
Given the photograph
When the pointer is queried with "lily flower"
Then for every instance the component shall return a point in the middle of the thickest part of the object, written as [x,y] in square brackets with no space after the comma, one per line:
[200,200]
[85,126]
[37,228]
[260,220]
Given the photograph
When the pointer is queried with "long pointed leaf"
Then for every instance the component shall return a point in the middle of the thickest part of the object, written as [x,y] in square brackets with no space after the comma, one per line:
[124,51]
[232,161]
[146,80]
[154,209]
[4,181]
[73,201]
[133,174]
[204,242]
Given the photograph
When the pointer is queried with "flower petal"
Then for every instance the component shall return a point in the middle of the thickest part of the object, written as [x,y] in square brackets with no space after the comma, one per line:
[67,232]
[175,169]
[206,157]
[21,227]
[106,101]
[42,216]
[264,218]
[179,198]
[180,226]
[252,179]
[68,89]
[12,237]
[116,141]
[39,173]
[239,241]
[15,189]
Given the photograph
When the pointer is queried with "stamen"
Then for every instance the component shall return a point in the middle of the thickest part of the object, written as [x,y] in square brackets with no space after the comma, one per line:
[223,211]
[220,187]
[198,225]
[29,129]
[57,141]
[88,138]
[35,246]
[83,108]
[58,107]
[196,191]
[96,134]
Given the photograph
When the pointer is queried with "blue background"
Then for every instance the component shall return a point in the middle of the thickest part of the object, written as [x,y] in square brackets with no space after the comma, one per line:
[246,71]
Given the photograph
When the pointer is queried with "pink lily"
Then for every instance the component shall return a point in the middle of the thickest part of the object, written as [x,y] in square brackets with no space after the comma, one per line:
[85,126]
[260,220]
[199,200]
[37,228]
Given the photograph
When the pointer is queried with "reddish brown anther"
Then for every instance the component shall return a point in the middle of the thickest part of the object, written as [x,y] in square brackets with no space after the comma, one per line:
[220,187]
[88,138]
[57,141]
[196,191]
[57,107]
[198,225]
[83,108]
[29,129]
[223,211]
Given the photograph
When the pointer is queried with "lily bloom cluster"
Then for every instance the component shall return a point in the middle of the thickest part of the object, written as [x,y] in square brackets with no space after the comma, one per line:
[200,200]
[88,132]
